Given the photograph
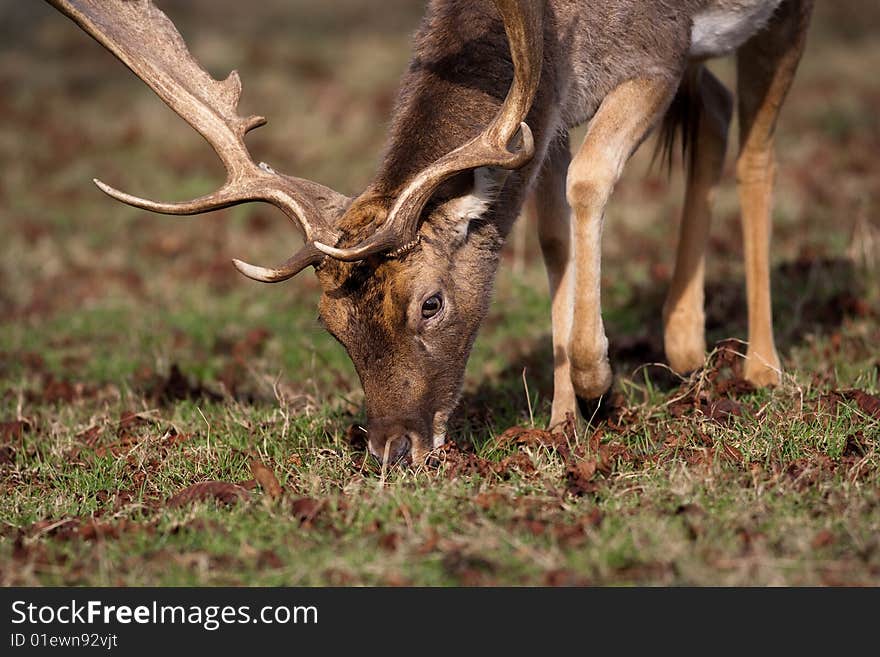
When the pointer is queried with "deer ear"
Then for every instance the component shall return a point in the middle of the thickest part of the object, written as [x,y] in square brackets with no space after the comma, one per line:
[488,182]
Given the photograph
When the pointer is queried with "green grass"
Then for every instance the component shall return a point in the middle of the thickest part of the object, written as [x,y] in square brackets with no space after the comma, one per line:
[106,311]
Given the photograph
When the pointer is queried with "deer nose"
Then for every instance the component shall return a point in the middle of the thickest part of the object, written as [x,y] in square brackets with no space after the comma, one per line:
[391,449]
[389,443]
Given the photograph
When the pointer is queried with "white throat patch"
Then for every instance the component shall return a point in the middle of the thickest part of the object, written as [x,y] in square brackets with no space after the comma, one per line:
[487,184]
[724,26]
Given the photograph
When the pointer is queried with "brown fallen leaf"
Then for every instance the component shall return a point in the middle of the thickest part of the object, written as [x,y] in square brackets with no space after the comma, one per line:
[10,431]
[723,409]
[609,454]
[869,404]
[519,462]
[579,477]
[432,540]
[221,491]
[269,559]
[586,468]
[7,454]
[117,448]
[486,501]
[306,509]
[536,437]
[562,577]
[390,541]
[856,445]
[822,539]
[59,529]
[395,579]
[595,440]
[729,453]
[90,436]
[130,420]
[267,480]
[93,530]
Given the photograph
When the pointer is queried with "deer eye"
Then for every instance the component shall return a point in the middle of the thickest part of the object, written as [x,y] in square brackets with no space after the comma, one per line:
[432,306]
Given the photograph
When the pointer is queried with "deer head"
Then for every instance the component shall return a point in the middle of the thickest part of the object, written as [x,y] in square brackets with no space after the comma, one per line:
[405,279]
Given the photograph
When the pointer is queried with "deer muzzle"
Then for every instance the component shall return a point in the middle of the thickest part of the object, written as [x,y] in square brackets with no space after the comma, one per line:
[396,440]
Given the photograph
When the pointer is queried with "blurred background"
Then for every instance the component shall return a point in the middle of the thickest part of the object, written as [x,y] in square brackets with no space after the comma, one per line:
[92,290]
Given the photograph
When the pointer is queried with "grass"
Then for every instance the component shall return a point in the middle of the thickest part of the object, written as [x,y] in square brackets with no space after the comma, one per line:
[134,362]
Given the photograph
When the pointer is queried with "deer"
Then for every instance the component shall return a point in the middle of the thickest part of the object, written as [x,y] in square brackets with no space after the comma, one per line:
[479,129]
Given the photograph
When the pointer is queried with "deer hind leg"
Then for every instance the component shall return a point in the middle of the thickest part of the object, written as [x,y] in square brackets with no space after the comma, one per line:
[548,205]
[623,120]
[711,107]
[766,65]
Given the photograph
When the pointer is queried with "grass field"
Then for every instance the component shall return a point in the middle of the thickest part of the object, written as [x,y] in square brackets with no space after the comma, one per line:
[135,362]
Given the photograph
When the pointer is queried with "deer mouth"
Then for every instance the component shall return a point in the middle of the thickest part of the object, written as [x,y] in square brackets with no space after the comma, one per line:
[394,450]
[406,441]
[395,440]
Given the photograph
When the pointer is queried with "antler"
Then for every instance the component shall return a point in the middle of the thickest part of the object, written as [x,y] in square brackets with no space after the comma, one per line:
[146,41]
[523,25]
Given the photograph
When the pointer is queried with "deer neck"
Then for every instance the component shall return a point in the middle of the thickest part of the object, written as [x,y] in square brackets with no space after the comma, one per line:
[455,83]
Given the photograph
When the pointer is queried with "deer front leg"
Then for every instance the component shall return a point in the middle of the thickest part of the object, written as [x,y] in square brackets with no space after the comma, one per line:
[684,331]
[550,209]
[623,120]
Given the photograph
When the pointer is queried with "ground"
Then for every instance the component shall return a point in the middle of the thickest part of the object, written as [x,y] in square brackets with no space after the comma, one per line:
[135,363]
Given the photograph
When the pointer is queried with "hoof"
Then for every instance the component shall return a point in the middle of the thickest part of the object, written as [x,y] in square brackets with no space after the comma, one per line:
[595,410]
[684,343]
[591,390]
[763,372]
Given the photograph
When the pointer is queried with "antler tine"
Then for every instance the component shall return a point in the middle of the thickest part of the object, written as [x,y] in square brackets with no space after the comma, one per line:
[306,256]
[523,24]
[216,201]
[146,41]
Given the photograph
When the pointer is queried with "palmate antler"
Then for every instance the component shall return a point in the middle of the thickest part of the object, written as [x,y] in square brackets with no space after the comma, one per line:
[146,41]
[523,21]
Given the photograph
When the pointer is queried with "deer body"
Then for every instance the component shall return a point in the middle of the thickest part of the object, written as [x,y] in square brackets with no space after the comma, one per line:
[407,267]
[634,56]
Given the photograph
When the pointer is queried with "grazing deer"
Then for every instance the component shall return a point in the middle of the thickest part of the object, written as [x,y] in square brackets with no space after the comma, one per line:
[481,121]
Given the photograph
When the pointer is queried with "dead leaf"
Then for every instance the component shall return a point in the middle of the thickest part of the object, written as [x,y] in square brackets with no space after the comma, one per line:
[118,448]
[519,462]
[822,539]
[12,431]
[130,420]
[723,409]
[586,468]
[561,577]
[730,453]
[869,404]
[90,436]
[7,454]
[269,559]
[609,453]
[536,437]
[486,501]
[221,491]
[432,540]
[390,541]
[306,509]
[579,477]
[267,480]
